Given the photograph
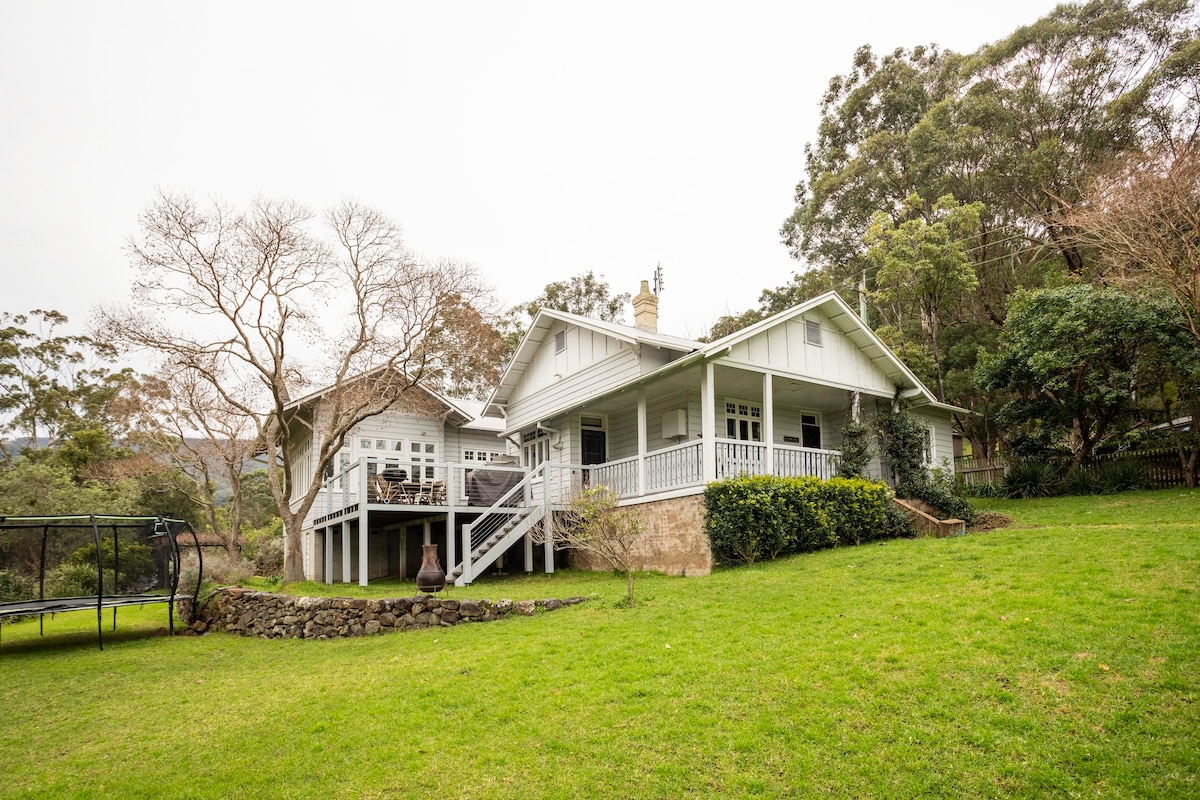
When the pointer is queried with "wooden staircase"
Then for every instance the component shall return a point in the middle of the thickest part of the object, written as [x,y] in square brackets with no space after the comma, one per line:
[520,522]
[498,528]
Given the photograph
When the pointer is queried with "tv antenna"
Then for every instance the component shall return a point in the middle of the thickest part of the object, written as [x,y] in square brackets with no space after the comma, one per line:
[658,279]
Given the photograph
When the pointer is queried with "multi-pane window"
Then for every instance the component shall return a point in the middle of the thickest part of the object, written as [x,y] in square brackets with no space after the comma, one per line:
[477,456]
[743,421]
[422,455]
[535,448]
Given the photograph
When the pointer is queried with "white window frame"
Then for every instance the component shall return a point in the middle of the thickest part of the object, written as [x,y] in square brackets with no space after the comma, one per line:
[535,448]
[738,411]
[818,423]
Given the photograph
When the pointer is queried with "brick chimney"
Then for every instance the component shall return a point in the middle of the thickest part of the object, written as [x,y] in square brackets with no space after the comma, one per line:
[645,309]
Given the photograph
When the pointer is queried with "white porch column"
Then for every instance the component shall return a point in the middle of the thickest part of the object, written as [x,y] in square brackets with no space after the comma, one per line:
[768,393]
[641,444]
[345,551]
[528,552]
[708,423]
[328,555]
[363,546]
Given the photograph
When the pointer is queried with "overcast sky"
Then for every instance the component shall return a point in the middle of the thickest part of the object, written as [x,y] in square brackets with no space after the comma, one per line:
[537,140]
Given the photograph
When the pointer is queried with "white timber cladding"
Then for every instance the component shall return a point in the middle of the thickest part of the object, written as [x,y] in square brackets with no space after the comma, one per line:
[941,444]
[532,400]
[786,348]
[476,446]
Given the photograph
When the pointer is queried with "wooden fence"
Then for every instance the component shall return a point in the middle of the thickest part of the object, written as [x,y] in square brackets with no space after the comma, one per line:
[975,471]
[1160,465]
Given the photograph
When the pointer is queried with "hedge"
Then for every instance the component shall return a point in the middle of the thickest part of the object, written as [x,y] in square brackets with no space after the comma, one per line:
[754,517]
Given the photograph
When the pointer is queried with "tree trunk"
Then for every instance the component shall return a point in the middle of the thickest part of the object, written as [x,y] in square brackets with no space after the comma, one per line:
[293,546]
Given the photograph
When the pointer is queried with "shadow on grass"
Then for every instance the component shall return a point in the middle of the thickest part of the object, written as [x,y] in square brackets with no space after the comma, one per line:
[23,637]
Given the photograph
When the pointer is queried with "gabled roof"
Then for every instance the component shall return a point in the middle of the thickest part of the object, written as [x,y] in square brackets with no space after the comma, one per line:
[467,413]
[541,326]
[830,305]
[847,321]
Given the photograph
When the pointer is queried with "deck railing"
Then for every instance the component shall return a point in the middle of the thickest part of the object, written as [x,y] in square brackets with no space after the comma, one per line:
[677,467]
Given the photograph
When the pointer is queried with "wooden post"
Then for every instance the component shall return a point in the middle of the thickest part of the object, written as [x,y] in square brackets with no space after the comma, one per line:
[708,423]
[768,391]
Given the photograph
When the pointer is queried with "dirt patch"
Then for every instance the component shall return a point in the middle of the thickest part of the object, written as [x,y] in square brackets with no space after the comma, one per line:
[989,521]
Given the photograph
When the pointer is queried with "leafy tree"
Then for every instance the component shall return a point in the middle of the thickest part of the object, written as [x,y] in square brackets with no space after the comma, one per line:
[231,297]
[803,286]
[1014,126]
[468,347]
[54,385]
[585,294]
[1075,358]
[208,440]
[861,161]
[922,266]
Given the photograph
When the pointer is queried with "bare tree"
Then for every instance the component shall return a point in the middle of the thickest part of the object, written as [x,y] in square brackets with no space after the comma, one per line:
[185,419]
[261,307]
[1143,219]
[594,524]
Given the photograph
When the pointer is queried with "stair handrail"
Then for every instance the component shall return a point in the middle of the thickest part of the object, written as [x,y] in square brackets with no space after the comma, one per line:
[475,534]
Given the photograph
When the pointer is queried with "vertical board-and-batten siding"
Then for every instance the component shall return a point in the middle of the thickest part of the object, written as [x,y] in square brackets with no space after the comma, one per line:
[836,359]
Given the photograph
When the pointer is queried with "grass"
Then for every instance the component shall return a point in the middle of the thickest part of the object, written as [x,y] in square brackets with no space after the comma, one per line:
[1058,657]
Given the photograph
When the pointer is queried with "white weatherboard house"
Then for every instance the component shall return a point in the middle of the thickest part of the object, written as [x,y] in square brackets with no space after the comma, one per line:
[588,402]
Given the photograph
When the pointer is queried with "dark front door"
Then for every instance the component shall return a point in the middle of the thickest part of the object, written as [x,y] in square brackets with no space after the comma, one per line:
[594,446]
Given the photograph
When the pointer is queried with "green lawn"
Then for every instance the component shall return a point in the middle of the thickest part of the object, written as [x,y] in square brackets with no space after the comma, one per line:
[1057,657]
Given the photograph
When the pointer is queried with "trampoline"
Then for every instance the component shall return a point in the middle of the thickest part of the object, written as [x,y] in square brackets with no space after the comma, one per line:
[149,576]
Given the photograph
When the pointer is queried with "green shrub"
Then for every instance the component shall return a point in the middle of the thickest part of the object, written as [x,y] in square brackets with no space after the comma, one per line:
[897,524]
[856,510]
[14,587]
[903,441]
[69,579]
[856,449]
[1081,481]
[264,548]
[1121,476]
[978,489]
[137,564]
[750,518]
[1031,479]
[751,524]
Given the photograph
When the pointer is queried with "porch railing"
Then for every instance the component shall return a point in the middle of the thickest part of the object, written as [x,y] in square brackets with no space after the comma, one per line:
[675,467]
[794,462]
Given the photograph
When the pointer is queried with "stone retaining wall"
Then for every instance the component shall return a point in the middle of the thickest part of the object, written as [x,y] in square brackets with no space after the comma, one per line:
[278,616]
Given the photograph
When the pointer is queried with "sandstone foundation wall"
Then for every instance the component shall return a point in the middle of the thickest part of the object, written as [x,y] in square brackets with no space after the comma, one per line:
[674,541]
